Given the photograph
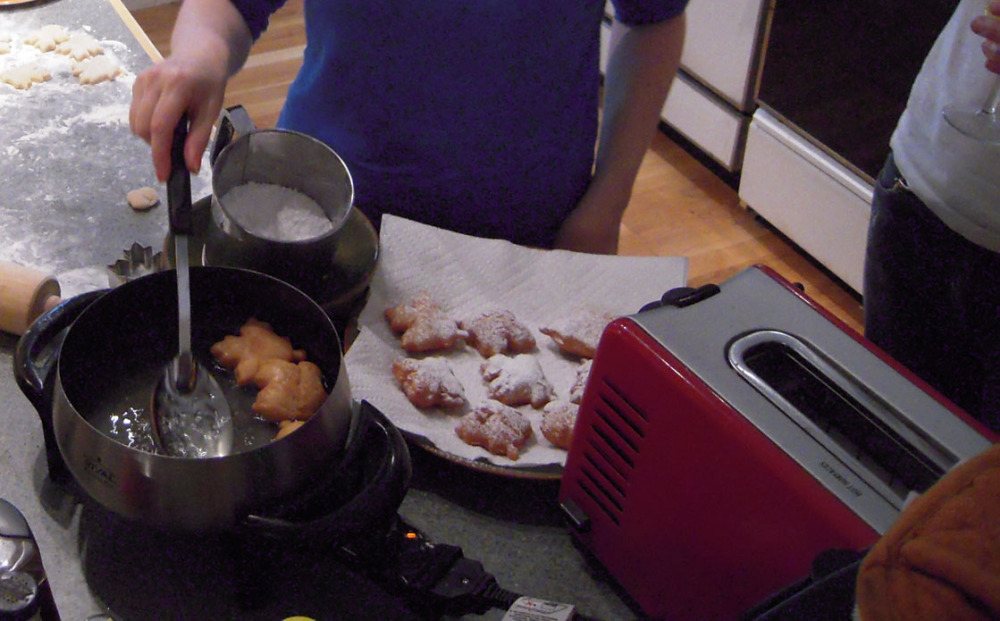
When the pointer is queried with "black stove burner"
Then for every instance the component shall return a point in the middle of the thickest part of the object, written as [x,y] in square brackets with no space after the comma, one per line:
[336,550]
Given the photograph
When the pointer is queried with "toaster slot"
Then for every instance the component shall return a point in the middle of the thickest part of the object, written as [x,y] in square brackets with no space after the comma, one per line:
[868,436]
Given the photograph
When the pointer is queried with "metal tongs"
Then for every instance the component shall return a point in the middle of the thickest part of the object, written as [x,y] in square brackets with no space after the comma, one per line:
[190,414]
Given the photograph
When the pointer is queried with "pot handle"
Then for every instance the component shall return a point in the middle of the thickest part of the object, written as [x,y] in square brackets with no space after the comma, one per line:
[37,350]
[233,122]
[35,359]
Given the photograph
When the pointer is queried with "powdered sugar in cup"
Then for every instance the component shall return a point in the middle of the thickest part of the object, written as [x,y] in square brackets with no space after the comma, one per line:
[278,199]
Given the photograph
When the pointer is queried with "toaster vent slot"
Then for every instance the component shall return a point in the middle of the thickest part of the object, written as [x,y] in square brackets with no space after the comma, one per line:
[628,422]
[617,439]
[600,500]
[607,493]
[602,481]
[614,440]
[820,396]
[617,461]
[609,477]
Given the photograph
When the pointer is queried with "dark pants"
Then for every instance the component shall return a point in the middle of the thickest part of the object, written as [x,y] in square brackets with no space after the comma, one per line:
[932,299]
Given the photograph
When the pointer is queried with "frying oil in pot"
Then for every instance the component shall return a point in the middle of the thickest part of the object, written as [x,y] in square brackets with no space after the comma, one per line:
[123,414]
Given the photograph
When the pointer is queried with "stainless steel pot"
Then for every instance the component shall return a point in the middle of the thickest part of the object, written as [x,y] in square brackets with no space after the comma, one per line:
[85,348]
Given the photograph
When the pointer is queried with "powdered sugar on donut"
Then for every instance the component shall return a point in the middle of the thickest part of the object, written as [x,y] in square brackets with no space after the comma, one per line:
[499,429]
[517,381]
[429,382]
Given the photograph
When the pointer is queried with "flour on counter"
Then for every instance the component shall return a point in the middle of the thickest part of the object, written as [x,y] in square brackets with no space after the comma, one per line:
[84,279]
[107,114]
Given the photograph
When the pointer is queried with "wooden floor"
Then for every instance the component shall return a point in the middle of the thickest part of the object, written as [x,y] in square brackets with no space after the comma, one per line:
[679,206]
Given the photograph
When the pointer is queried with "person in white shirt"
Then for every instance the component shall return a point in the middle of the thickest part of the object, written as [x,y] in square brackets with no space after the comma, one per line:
[932,267]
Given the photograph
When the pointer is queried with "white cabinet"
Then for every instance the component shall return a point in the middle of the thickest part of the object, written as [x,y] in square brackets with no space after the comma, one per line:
[711,102]
[722,49]
[808,195]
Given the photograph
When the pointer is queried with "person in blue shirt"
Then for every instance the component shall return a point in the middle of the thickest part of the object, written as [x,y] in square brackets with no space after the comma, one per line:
[480,117]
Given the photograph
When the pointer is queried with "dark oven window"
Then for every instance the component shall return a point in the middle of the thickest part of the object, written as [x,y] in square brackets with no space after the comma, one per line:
[840,72]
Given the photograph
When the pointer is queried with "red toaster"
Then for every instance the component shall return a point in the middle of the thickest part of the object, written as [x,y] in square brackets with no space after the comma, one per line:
[728,436]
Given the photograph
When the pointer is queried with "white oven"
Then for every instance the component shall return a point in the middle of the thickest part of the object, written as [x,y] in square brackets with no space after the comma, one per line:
[835,77]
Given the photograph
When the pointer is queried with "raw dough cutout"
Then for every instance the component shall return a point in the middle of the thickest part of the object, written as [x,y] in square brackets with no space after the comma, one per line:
[48,37]
[80,46]
[4,44]
[143,199]
[24,76]
[96,70]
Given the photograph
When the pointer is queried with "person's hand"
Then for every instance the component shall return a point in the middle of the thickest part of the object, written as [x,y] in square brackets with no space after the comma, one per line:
[168,89]
[209,43]
[592,227]
[988,27]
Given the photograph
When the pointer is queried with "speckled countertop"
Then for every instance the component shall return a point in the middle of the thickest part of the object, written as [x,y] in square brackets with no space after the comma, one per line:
[66,152]
[68,159]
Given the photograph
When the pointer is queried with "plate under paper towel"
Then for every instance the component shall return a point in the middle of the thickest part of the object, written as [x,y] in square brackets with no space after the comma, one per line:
[468,275]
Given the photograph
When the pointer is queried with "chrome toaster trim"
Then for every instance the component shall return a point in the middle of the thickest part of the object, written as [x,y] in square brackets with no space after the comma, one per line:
[900,461]
[702,337]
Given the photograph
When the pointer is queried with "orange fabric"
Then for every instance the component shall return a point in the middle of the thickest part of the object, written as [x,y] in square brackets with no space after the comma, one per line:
[940,561]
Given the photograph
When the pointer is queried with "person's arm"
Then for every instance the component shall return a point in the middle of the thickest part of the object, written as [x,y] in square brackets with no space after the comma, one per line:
[210,42]
[988,27]
[641,66]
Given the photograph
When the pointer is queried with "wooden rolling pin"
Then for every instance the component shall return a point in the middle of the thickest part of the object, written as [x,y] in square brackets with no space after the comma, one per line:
[25,293]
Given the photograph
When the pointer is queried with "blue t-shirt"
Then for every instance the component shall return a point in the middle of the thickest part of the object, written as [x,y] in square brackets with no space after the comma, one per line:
[477,116]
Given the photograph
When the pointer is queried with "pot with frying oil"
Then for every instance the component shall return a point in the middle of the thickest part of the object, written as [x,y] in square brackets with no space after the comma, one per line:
[124,413]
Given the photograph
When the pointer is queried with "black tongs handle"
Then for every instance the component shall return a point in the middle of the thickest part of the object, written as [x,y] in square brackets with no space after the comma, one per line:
[179,183]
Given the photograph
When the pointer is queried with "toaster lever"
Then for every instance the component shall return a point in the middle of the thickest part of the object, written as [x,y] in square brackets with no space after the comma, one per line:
[683,296]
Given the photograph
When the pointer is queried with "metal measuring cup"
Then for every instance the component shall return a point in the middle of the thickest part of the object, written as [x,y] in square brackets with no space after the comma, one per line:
[242,154]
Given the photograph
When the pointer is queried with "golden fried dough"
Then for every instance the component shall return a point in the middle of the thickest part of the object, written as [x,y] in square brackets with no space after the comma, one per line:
[499,429]
[579,333]
[288,390]
[256,342]
[558,420]
[286,427]
[580,384]
[429,382]
[498,332]
[423,325]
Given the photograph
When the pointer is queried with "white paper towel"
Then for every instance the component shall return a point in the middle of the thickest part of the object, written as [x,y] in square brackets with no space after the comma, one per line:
[468,275]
